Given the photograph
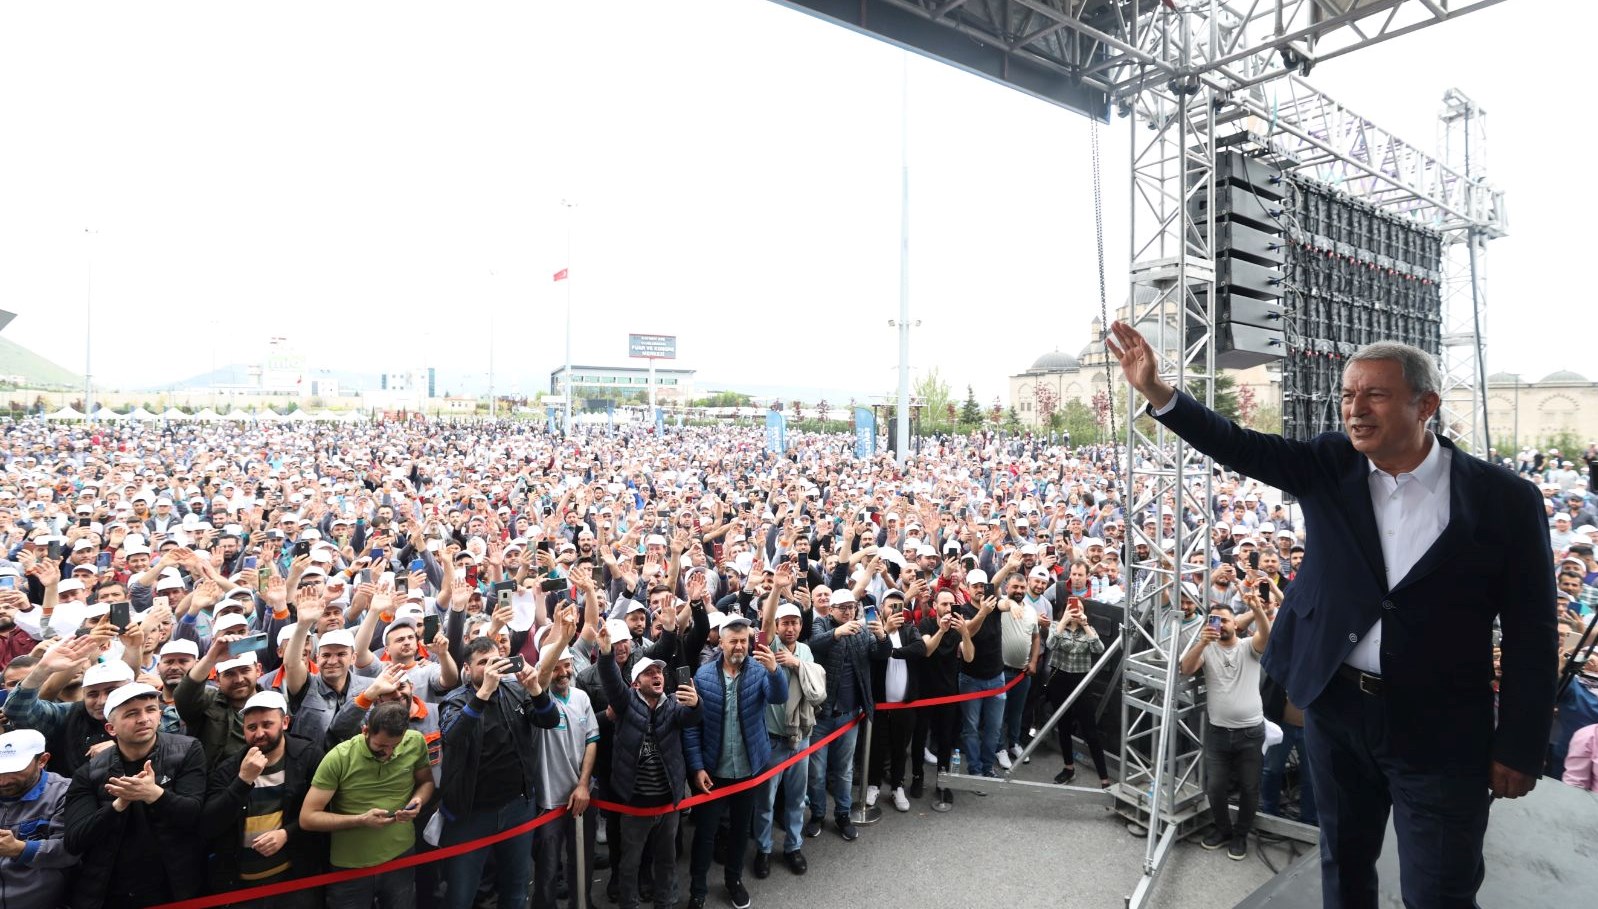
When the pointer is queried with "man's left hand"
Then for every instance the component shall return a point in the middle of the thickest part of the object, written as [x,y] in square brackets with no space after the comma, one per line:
[578,803]
[269,843]
[1508,783]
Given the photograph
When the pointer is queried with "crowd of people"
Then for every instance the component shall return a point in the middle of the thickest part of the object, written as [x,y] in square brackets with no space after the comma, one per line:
[243,655]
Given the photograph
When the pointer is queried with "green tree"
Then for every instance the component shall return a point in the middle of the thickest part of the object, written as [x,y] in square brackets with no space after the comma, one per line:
[1226,395]
[970,411]
[933,392]
[1080,421]
[1012,420]
[1268,419]
[724,399]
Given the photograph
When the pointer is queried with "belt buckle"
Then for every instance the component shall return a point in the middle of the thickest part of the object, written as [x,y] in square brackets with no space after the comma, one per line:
[1370,684]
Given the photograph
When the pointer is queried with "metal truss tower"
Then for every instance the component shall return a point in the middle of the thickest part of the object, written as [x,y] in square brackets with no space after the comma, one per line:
[1220,97]
[1193,76]
[1462,132]
[1172,198]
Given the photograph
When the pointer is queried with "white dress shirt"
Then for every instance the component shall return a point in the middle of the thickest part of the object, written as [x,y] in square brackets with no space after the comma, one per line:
[1411,512]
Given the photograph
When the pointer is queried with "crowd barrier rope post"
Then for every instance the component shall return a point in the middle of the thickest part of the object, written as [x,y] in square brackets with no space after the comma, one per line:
[864,815]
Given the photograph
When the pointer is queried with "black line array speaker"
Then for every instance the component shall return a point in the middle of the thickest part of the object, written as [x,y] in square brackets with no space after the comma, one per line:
[1249,254]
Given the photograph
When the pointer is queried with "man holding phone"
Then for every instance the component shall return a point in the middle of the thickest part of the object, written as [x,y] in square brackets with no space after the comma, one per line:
[844,644]
[211,713]
[648,766]
[1234,738]
[367,793]
[492,775]
[730,746]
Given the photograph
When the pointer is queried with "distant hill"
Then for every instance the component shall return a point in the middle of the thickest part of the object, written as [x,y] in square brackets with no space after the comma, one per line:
[36,371]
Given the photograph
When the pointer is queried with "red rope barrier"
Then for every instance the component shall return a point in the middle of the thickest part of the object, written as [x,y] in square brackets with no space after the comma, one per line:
[438,855]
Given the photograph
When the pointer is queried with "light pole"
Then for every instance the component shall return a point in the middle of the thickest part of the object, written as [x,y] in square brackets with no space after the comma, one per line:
[1516,442]
[88,324]
[569,205]
[904,261]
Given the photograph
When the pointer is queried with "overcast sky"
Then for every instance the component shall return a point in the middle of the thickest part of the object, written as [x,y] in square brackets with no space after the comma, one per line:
[381,183]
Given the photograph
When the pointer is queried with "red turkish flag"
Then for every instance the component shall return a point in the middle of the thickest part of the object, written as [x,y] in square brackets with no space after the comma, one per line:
[560,275]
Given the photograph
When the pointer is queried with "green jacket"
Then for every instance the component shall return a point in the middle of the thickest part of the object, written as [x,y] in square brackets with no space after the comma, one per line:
[210,719]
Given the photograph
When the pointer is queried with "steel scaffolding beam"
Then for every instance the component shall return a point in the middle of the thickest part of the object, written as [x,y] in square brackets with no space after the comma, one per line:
[1173,177]
[1083,54]
[1462,133]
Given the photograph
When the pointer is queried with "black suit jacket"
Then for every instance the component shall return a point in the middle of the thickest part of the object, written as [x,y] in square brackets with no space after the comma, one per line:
[1492,559]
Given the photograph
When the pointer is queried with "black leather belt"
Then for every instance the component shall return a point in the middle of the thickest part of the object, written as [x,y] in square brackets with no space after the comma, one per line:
[1364,681]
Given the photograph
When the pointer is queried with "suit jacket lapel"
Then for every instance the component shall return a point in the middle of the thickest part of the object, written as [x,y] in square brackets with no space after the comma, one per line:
[1461,524]
[1357,493]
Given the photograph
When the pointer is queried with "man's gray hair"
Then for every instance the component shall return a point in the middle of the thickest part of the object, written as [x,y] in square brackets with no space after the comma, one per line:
[1420,370]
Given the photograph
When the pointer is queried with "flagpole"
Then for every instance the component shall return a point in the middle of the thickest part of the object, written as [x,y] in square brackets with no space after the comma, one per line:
[569,205]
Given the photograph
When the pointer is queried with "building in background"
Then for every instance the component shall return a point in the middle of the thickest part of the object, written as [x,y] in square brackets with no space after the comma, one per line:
[1522,413]
[1056,379]
[673,387]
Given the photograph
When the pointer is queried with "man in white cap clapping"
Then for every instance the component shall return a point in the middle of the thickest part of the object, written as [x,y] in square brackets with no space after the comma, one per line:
[132,811]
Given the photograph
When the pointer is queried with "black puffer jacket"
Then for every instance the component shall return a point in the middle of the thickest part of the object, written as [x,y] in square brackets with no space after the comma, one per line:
[633,721]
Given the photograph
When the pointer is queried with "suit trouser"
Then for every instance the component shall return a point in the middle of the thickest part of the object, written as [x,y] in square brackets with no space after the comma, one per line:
[1439,813]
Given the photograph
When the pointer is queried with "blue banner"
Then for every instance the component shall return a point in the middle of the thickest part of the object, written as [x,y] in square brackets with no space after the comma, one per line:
[776,432]
[610,416]
[660,421]
[549,414]
[865,432]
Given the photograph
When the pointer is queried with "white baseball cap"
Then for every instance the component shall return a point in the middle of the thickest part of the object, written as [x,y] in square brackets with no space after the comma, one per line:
[228,622]
[18,748]
[269,699]
[127,693]
[240,662]
[643,666]
[184,647]
[338,637]
[103,673]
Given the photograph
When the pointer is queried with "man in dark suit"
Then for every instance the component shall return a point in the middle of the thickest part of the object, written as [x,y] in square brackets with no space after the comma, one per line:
[1385,636]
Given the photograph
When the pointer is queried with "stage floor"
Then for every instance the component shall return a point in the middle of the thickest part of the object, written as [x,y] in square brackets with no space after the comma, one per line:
[1542,850]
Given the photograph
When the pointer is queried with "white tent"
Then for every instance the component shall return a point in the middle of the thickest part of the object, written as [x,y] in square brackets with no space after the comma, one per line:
[352,416]
[208,416]
[299,416]
[139,413]
[270,416]
[326,415]
[172,413]
[237,414]
[65,413]
[106,414]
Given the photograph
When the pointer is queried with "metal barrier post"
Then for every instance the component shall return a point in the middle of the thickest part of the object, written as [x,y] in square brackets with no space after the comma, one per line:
[862,815]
